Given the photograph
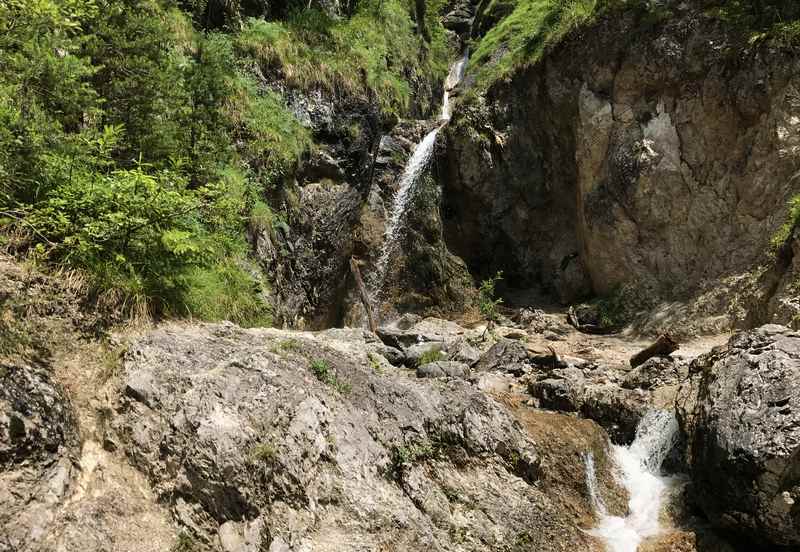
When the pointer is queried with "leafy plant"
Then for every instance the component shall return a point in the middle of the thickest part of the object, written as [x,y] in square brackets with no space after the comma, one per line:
[486,297]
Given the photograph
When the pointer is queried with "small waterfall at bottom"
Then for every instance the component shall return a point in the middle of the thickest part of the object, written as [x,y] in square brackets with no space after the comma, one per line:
[639,465]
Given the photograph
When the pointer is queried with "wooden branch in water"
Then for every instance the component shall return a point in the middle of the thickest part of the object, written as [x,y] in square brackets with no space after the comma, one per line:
[362,291]
[663,346]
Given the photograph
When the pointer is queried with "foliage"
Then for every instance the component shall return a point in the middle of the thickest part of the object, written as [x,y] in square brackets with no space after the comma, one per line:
[185,543]
[434,355]
[139,139]
[414,452]
[326,374]
[133,147]
[377,50]
[521,37]
[792,222]
[486,297]
[777,20]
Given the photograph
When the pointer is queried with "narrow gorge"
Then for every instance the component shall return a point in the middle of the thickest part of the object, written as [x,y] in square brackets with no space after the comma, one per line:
[377,275]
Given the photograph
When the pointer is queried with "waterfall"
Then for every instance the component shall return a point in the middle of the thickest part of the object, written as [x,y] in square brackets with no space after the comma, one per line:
[413,170]
[639,465]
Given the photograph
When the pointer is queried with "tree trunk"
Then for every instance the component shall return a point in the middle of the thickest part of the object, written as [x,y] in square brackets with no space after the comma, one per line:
[663,346]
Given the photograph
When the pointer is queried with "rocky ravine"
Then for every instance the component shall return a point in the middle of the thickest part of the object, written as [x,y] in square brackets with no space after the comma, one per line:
[212,437]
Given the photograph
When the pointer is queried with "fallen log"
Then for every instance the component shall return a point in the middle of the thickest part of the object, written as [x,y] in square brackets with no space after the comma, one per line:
[362,292]
[663,346]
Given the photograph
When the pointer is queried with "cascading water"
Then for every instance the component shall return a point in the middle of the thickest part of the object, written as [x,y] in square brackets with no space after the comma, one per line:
[639,464]
[413,170]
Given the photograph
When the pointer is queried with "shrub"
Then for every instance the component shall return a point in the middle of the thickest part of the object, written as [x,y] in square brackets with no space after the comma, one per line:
[486,297]
[434,355]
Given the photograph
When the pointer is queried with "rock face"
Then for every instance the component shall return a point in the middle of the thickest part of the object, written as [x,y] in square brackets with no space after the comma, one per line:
[635,152]
[741,414]
[297,441]
[59,490]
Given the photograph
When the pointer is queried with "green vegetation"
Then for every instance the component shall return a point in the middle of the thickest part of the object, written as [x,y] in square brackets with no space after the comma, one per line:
[185,543]
[434,355]
[326,374]
[376,51]
[486,298]
[374,363]
[138,142]
[288,346]
[414,452]
[263,452]
[526,29]
[785,231]
[776,20]
[521,37]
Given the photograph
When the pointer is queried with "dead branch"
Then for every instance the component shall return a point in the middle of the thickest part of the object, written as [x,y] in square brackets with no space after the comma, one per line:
[663,346]
[362,291]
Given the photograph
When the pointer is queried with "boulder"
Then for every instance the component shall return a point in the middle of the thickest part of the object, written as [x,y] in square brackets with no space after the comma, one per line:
[255,443]
[655,372]
[414,353]
[410,329]
[505,355]
[461,351]
[740,411]
[443,368]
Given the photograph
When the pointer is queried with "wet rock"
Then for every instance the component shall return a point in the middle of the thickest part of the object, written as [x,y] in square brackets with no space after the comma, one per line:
[740,411]
[593,395]
[443,368]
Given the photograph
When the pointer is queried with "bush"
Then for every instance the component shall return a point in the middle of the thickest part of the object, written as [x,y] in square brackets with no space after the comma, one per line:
[486,297]
[434,355]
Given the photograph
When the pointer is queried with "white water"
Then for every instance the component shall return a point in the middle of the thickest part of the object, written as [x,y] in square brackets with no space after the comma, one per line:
[639,466]
[413,170]
[453,78]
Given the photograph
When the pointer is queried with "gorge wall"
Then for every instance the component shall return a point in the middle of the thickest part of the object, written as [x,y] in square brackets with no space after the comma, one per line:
[659,150]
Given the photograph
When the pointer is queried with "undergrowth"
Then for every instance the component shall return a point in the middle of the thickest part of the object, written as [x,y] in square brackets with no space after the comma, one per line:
[377,50]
